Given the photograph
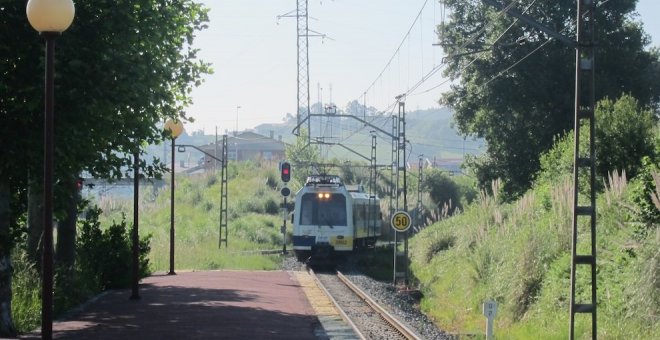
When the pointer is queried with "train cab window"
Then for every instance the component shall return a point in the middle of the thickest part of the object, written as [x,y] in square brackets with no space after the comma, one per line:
[330,210]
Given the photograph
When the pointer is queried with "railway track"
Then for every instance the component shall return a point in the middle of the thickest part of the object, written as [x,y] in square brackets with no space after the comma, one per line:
[368,319]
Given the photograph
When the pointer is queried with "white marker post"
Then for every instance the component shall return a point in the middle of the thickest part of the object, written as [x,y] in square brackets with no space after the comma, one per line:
[489,310]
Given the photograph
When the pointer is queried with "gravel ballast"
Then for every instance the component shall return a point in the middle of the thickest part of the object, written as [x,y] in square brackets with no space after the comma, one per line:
[401,305]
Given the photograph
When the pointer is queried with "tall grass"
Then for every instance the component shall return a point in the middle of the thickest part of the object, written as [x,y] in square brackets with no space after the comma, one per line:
[26,293]
[254,220]
[519,255]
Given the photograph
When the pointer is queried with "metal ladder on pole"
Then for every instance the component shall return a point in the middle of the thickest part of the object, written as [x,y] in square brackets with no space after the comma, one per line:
[584,208]
[223,194]
[371,210]
[398,166]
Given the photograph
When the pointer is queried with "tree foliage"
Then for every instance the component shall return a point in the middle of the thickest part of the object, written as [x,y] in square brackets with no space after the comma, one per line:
[624,135]
[442,189]
[120,69]
[625,139]
[515,84]
[303,156]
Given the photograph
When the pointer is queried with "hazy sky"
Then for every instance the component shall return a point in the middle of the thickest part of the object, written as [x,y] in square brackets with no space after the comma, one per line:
[254,57]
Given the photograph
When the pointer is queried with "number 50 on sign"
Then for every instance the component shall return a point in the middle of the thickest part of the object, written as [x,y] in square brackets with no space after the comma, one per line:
[401,221]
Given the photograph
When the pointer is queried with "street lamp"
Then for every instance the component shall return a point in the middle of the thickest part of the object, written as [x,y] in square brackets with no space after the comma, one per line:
[135,294]
[49,18]
[175,127]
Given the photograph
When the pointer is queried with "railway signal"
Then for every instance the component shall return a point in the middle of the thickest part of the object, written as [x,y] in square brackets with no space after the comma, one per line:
[285,172]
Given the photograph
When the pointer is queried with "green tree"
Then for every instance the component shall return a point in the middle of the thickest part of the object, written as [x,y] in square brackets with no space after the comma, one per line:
[515,85]
[442,189]
[121,68]
[303,156]
[624,135]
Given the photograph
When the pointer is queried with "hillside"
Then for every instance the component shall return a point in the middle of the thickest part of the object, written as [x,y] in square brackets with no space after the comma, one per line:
[518,254]
[429,131]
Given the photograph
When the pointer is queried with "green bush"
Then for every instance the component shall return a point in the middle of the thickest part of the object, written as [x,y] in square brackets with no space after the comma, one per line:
[642,189]
[624,134]
[442,189]
[104,256]
[271,206]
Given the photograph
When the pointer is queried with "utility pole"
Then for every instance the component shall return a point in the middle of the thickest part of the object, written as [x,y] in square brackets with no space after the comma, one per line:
[584,111]
[302,111]
[223,194]
[398,171]
[371,212]
[583,161]
[418,208]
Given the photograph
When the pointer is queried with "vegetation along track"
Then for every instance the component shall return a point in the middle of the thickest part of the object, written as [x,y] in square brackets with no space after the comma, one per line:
[369,319]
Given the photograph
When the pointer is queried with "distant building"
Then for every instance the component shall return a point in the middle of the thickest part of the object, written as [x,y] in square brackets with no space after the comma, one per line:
[453,165]
[248,146]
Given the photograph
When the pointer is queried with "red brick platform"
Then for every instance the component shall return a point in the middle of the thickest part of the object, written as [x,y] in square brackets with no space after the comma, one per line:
[200,305]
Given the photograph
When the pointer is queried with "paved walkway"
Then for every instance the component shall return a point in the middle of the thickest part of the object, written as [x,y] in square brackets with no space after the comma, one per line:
[200,305]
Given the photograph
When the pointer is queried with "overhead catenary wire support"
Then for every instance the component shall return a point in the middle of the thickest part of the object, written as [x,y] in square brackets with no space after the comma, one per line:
[399,175]
[584,112]
[584,163]
[223,193]
[371,213]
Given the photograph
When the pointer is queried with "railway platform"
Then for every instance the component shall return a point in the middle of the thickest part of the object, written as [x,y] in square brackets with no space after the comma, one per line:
[207,305]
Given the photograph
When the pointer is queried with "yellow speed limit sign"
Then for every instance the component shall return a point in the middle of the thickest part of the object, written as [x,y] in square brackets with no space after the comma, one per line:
[401,221]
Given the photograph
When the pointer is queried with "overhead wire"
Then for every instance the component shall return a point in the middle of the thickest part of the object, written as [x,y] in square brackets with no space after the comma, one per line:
[396,51]
[501,73]
[478,56]
[435,69]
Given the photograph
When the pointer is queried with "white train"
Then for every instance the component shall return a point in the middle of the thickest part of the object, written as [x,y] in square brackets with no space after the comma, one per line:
[330,218]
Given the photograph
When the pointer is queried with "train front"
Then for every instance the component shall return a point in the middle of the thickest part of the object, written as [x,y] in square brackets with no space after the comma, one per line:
[322,224]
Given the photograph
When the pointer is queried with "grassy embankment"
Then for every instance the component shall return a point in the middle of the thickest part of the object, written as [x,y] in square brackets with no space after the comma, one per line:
[519,255]
[254,220]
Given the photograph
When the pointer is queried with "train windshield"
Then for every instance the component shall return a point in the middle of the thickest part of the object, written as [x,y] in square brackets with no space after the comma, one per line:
[323,209]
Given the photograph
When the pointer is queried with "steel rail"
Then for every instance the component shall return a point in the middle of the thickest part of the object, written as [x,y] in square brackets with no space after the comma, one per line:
[334,302]
[389,318]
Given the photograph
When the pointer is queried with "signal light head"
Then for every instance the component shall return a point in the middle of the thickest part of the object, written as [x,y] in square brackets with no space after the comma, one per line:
[285,171]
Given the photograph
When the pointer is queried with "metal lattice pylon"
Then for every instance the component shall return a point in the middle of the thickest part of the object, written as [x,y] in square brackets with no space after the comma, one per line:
[223,194]
[371,228]
[398,173]
[303,68]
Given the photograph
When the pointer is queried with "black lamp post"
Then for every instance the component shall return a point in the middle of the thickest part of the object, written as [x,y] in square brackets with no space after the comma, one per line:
[50,18]
[176,128]
[135,295]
